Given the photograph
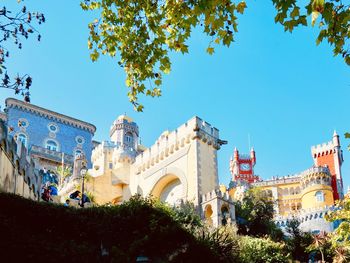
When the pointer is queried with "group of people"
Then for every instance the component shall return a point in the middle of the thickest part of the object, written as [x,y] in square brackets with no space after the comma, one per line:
[82,198]
[47,191]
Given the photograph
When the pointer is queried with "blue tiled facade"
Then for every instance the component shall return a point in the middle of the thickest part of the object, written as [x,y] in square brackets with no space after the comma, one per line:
[43,129]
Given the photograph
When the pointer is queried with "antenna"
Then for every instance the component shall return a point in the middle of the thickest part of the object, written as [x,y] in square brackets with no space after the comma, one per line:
[248,142]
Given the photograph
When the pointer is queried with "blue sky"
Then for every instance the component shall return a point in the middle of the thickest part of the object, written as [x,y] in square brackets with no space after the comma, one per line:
[279,88]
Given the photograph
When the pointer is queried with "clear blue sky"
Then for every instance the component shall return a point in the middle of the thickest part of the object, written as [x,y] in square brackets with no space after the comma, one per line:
[278,87]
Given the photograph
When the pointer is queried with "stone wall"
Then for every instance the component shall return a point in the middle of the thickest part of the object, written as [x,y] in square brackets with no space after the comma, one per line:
[17,173]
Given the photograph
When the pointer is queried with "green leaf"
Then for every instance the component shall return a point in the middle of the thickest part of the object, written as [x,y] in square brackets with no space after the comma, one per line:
[210,50]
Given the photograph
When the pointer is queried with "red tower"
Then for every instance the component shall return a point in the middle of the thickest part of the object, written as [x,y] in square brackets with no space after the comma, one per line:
[331,155]
[242,167]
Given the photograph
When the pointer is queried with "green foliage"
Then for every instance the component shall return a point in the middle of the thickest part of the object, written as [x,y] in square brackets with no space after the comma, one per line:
[347,135]
[333,17]
[143,33]
[32,231]
[140,34]
[262,250]
[322,246]
[255,215]
[223,242]
[340,238]
[297,241]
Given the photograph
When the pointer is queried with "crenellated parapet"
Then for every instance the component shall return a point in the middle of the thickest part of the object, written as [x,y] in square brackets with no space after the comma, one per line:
[310,219]
[15,153]
[315,176]
[217,208]
[289,179]
[323,149]
[216,194]
[170,142]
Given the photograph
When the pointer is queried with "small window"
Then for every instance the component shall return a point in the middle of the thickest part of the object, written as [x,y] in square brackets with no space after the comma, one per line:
[110,165]
[79,140]
[53,127]
[51,145]
[78,152]
[23,139]
[319,196]
[129,138]
[22,123]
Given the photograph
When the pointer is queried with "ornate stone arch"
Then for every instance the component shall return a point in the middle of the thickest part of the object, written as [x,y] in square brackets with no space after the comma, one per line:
[169,175]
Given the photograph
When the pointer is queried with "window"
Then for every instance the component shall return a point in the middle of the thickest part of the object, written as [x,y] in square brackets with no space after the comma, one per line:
[319,196]
[51,145]
[53,127]
[22,138]
[110,165]
[128,138]
[22,123]
[79,140]
[78,152]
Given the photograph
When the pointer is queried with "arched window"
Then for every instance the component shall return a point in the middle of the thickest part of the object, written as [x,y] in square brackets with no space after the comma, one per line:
[78,152]
[319,196]
[51,145]
[23,139]
[129,138]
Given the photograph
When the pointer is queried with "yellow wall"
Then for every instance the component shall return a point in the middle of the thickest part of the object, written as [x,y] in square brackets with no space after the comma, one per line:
[309,196]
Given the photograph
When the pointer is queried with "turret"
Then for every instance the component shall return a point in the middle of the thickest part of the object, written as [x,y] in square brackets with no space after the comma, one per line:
[125,133]
[330,154]
[252,156]
[336,142]
[235,154]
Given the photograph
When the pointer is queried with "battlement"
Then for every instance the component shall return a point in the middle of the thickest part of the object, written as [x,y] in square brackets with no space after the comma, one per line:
[244,157]
[278,180]
[169,142]
[322,149]
[293,178]
[310,219]
[112,148]
[315,170]
[215,194]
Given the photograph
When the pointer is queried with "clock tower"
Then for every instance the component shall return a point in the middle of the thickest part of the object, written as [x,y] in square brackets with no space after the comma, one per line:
[242,167]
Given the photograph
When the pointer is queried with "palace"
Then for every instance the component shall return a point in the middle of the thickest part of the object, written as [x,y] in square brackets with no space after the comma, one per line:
[180,166]
[307,196]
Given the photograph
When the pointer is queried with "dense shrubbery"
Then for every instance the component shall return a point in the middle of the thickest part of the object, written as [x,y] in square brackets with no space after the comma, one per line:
[41,231]
[46,232]
[262,250]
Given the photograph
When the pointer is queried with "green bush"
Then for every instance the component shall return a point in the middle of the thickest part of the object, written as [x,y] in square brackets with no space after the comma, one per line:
[32,231]
[261,250]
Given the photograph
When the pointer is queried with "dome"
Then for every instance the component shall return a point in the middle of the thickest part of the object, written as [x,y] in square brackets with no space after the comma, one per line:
[123,117]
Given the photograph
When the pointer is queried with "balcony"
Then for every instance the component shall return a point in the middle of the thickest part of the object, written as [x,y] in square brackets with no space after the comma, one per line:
[50,155]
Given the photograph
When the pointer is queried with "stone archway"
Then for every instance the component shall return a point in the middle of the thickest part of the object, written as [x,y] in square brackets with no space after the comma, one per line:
[208,212]
[169,189]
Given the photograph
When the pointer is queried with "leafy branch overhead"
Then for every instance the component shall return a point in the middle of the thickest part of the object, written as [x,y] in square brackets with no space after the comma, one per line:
[140,34]
[14,27]
[143,32]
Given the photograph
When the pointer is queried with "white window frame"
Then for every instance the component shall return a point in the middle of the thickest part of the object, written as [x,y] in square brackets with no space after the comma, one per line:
[49,147]
[319,195]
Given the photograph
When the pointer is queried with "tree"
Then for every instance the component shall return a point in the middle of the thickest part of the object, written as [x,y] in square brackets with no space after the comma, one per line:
[140,34]
[320,243]
[340,238]
[255,215]
[297,241]
[16,26]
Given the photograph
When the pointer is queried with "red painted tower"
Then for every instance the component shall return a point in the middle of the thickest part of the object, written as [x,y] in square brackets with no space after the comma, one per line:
[331,155]
[242,167]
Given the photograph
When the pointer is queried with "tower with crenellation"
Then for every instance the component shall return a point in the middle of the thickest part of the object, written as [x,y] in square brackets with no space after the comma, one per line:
[330,154]
[242,167]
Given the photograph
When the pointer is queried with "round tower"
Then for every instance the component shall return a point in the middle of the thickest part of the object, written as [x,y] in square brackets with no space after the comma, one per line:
[317,191]
[124,133]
